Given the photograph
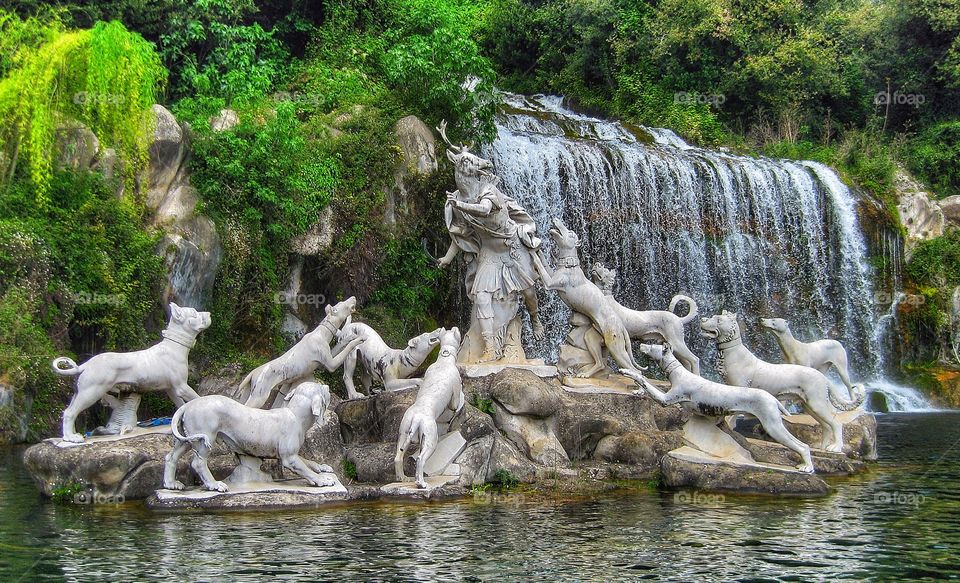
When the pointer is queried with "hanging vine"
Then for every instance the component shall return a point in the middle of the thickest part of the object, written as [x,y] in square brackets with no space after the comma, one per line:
[105,77]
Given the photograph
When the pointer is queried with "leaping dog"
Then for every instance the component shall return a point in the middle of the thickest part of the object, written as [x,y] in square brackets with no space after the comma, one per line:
[820,354]
[584,297]
[389,366]
[298,364]
[441,389]
[743,369]
[710,399]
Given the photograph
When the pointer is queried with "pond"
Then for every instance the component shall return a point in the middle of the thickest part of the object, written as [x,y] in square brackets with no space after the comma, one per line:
[899,520]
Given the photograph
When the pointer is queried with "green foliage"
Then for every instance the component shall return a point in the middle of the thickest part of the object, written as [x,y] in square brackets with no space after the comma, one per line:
[212,51]
[349,469]
[263,183]
[87,257]
[484,405]
[406,282]
[65,494]
[105,77]
[936,262]
[504,479]
[934,156]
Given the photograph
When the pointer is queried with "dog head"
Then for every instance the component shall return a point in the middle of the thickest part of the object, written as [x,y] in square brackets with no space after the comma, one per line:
[778,325]
[425,340]
[450,342]
[603,277]
[722,327]
[339,314]
[188,319]
[317,395]
[662,353]
[562,237]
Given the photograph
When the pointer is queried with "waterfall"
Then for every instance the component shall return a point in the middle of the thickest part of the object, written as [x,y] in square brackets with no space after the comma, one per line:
[763,237]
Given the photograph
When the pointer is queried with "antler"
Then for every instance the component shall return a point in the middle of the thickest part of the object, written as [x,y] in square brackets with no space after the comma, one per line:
[442,128]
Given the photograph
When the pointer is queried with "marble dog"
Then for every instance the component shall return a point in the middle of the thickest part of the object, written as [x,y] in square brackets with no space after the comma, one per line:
[584,297]
[441,389]
[820,354]
[743,369]
[389,366]
[162,367]
[710,399]
[247,431]
[298,364]
[648,324]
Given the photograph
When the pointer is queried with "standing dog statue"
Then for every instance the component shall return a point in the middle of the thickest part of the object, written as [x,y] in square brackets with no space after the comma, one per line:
[389,366]
[820,354]
[441,389]
[277,433]
[162,367]
[743,369]
[298,364]
[710,399]
[584,297]
[653,324]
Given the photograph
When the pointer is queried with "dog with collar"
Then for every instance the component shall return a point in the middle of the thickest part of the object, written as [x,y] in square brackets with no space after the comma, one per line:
[709,399]
[742,368]
[162,367]
[389,366]
[247,431]
[820,354]
[441,389]
[298,364]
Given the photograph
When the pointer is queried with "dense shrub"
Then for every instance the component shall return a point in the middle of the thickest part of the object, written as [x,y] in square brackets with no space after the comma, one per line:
[935,157]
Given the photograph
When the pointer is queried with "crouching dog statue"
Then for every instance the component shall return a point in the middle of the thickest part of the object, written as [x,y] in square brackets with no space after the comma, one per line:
[248,432]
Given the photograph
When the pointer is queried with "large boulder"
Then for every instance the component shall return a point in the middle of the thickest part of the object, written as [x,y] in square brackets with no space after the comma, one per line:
[131,467]
[168,152]
[524,409]
[950,207]
[418,158]
[77,147]
[687,468]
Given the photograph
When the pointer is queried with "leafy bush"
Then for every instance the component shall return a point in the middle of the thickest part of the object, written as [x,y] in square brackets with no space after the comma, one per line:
[935,157]
[937,262]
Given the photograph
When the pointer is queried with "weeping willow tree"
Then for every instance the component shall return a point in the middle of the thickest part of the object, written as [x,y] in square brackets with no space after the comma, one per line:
[105,77]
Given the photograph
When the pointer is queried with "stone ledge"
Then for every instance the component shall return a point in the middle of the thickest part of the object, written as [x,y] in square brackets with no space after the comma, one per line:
[686,467]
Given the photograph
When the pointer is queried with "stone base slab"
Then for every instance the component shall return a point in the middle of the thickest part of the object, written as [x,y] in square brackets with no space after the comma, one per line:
[686,467]
[251,496]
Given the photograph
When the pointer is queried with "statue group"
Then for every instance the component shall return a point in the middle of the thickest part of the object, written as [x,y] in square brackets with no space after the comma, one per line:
[503,265]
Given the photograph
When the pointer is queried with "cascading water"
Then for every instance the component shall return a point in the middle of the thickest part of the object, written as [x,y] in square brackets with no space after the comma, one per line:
[760,236]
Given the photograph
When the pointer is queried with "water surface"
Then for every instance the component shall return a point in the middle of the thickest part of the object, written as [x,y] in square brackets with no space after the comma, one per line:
[900,520]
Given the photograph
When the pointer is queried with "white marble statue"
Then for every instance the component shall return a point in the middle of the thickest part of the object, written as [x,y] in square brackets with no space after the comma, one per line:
[586,299]
[820,354]
[390,367]
[653,324]
[497,239]
[298,364]
[162,367]
[743,369]
[709,399]
[248,431]
[441,390]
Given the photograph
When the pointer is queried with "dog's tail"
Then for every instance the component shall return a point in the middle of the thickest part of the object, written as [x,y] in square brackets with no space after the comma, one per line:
[692,312]
[243,391]
[71,370]
[175,428]
[857,393]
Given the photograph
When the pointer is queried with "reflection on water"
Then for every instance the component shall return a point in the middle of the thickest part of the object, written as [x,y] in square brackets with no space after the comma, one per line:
[902,519]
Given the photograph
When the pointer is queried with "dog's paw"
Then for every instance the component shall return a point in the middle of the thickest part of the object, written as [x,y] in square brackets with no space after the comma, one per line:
[73,437]
[324,469]
[218,487]
[835,448]
[323,482]
[174,485]
[805,468]
[422,484]
[538,332]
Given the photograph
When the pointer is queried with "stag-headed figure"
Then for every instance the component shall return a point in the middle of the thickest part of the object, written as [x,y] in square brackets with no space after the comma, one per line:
[497,237]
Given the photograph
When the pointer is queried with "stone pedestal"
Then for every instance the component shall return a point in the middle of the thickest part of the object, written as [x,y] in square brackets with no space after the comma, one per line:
[537,367]
[436,486]
[686,467]
[252,496]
